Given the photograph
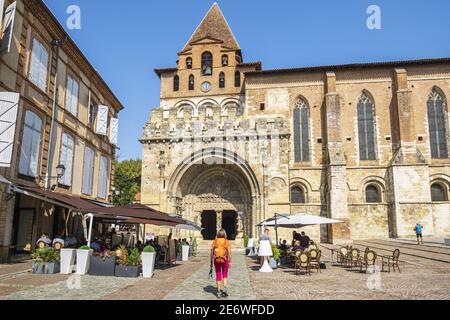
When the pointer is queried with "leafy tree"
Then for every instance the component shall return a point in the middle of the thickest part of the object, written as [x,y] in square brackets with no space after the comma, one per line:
[128,181]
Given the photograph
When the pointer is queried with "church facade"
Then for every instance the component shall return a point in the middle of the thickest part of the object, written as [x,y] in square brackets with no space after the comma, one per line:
[232,144]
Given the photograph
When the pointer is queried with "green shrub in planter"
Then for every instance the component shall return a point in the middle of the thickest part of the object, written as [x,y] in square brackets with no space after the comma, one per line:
[149,249]
[45,261]
[129,265]
[85,248]
[246,238]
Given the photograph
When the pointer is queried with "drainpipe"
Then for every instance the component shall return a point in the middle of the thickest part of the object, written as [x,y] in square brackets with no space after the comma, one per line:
[51,147]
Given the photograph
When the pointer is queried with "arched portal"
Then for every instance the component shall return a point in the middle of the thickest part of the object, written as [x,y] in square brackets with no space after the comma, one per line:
[216,189]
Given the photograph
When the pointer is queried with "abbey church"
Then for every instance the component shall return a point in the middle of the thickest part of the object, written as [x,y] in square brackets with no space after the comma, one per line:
[232,144]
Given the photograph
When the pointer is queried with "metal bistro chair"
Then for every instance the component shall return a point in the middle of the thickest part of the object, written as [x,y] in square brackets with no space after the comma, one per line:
[391,261]
[303,262]
[369,260]
[341,255]
[315,259]
[353,258]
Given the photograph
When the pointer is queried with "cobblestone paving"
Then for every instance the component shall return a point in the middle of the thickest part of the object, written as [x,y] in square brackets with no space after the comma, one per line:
[421,278]
[200,287]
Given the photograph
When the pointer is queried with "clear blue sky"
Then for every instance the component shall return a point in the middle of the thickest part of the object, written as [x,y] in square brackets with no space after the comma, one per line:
[126,40]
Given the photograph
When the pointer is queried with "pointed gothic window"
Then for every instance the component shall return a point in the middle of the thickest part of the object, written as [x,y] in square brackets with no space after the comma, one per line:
[237,79]
[301,131]
[176,83]
[436,125]
[297,195]
[189,63]
[207,63]
[224,60]
[191,82]
[366,128]
[222,80]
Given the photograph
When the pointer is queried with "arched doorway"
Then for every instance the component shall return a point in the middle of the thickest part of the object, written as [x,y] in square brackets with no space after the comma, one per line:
[216,191]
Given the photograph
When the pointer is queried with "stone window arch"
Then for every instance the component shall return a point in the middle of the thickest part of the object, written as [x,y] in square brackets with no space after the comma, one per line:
[191,82]
[189,63]
[439,191]
[301,131]
[366,127]
[224,60]
[184,110]
[176,83]
[373,193]
[222,80]
[207,63]
[436,108]
[298,195]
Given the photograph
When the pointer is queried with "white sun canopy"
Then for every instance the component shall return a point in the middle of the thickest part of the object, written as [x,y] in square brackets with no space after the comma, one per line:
[297,221]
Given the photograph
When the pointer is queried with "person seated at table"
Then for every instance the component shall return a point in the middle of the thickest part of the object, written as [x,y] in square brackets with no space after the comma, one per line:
[95,245]
[305,240]
[71,241]
[45,240]
[297,246]
[283,245]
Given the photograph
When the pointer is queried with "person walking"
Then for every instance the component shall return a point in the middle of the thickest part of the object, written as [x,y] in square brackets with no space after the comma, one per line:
[418,229]
[221,258]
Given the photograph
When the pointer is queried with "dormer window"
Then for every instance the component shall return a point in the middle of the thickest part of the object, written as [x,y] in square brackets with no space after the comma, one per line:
[189,63]
[224,60]
[207,63]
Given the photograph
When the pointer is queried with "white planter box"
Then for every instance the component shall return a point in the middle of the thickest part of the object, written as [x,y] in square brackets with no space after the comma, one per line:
[185,253]
[148,264]
[83,261]
[67,260]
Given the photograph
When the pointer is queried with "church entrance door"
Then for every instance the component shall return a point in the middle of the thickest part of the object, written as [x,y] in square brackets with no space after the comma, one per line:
[209,225]
[229,223]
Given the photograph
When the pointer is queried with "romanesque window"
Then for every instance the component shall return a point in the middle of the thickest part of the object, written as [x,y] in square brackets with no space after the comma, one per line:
[436,124]
[222,80]
[366,128]
[207,63]
[189,63]
[176,83]
[297,195]
[224,60]
[373,194]
[237,79]
[301,131]
[191,82]
[438,193]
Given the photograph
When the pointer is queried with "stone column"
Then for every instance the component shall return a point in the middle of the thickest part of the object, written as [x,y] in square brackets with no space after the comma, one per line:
[219,220]
[337,167]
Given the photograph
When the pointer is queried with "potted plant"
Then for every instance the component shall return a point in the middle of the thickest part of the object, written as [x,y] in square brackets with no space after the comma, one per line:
[67,260]
[184,251]
[45,261]
[274,260]
[148,261]
[103,264]
[129,264]
[84,254]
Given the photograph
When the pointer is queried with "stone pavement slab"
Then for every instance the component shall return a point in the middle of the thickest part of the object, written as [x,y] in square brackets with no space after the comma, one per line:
[200,287]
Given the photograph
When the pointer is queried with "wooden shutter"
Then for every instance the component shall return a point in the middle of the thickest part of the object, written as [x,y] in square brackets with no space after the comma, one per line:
[102,120]
[102,179]
[43,66]
[31,141]
[66,159]
[113,130]
[9,102]
[87,172]
[8,26]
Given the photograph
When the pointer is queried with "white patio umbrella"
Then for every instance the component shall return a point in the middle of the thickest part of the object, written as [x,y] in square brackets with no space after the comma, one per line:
[298,221]
[189,227]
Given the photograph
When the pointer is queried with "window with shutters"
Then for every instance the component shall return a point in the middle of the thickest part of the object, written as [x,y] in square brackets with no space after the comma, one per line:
[366,127]
[207,64]
[439,192]
[373,194]
[176,83]
[297,195]
[222,80]
[66,159]
[88,169]
[72,95]
[436,125]
[93,109]
[31,142]
[237,79]
[301,131]
[191,82]
[39,65]
[103,178]
[9,105]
